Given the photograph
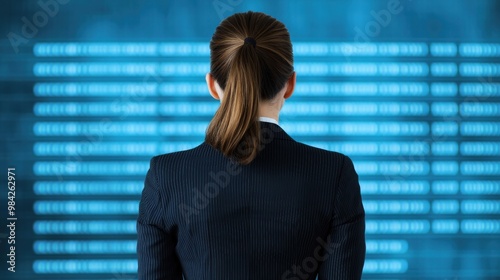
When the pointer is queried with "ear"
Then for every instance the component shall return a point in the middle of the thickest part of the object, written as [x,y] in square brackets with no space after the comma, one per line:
[211,86]
[290,86]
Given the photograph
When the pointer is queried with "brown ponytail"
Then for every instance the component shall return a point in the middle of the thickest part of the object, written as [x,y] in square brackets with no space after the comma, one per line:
[248,73]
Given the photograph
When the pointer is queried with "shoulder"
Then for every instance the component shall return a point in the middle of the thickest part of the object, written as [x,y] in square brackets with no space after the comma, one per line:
[176,158]
[304,156]
[319,152]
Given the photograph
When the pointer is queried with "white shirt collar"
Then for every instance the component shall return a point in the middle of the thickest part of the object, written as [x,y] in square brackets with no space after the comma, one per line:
[270,120]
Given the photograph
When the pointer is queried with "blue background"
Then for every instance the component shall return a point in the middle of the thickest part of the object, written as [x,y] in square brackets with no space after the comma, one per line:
[410,90]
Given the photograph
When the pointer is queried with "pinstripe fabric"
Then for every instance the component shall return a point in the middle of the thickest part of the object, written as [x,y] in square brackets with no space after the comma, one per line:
[295,212]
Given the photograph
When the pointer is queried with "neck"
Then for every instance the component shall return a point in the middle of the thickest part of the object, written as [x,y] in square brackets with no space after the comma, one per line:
[269,111]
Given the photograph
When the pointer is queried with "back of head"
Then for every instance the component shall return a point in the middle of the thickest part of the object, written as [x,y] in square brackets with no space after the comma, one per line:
[251,59]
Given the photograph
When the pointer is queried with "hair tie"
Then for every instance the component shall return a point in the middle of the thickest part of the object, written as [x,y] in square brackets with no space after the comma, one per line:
[251,41]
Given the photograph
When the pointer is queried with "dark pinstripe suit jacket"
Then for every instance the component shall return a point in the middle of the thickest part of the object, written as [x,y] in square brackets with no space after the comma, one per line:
[294,213]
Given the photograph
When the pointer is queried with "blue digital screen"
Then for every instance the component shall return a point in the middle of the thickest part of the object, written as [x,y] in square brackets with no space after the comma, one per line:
[410,90]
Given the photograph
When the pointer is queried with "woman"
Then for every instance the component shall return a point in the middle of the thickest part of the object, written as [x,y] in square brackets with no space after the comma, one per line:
[250,202]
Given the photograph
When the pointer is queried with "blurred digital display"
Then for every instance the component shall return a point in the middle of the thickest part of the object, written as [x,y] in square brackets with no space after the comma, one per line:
[420,117]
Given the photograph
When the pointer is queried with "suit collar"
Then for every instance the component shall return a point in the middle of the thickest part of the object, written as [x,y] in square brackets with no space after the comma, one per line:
[273,130]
